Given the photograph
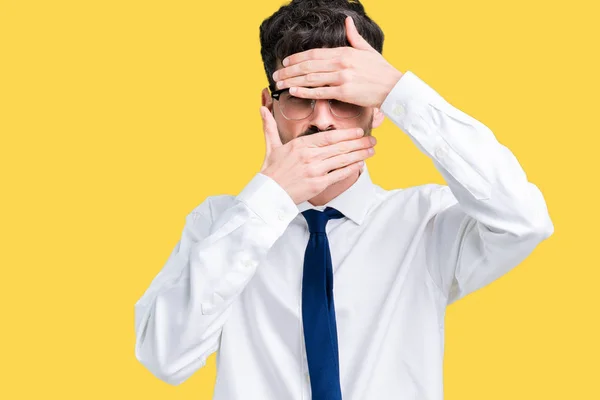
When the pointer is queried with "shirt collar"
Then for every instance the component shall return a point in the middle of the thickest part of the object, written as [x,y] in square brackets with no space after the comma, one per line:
[354,202]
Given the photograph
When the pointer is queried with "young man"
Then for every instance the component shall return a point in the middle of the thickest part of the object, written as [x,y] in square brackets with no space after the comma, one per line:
[314,282]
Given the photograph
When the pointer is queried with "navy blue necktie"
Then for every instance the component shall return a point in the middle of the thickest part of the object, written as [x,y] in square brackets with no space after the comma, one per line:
[318,312]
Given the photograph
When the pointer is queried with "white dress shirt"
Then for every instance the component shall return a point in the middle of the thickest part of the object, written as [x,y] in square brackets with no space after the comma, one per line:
[233,281]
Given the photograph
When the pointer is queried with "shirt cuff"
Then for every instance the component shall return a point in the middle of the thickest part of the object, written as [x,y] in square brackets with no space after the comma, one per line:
[407,99]
[269,201]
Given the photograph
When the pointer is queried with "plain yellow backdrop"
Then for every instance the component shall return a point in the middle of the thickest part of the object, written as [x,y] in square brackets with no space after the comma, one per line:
[118,117]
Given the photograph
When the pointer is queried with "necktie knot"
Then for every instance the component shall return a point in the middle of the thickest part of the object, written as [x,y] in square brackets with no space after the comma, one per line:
[317,220]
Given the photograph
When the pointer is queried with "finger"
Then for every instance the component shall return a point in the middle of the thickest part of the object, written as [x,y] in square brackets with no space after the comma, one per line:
[324,92]
[306,67]
[344,147]
[313,80]
[326,138]
[341,174]
[355,39]
[342,160]
[313,54]
[270,129]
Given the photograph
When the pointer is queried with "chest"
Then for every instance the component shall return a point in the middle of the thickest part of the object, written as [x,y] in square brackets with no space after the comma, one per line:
[374,264]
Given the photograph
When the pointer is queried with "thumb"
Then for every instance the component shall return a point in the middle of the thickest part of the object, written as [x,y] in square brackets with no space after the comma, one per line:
[357,41]
[272,138]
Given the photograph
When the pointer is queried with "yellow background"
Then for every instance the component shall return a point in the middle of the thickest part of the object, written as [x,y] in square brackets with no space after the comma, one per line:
[118,117]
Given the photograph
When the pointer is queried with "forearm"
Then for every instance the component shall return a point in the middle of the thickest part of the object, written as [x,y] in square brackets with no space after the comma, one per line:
[500,216]
[180,317]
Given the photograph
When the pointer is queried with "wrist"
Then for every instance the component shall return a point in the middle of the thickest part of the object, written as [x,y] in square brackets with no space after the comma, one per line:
[391,81]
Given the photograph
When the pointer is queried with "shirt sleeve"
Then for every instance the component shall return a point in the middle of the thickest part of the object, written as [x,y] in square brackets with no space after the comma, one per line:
[491,217]
[179,318]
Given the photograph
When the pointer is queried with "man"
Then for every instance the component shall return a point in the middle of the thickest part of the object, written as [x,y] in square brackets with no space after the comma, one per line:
[313,282]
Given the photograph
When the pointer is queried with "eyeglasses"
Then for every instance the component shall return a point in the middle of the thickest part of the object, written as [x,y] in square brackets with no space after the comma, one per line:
[297,108]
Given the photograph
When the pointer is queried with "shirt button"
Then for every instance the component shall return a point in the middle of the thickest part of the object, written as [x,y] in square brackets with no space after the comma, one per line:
[441,152]
[207,308]
[398,110]
[281,215]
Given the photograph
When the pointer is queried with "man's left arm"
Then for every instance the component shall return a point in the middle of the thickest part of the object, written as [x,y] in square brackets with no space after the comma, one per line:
[491,216]
[500,216]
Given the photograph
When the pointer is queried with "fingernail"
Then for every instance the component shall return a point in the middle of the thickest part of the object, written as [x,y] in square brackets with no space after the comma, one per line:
[285,62]
[373,140]
[371,150]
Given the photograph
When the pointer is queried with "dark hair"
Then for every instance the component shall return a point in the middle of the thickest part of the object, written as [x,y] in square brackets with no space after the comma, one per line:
[307,24]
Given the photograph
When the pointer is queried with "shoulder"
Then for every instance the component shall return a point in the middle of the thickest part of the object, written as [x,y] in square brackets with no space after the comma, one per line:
[424,200]
[428,192]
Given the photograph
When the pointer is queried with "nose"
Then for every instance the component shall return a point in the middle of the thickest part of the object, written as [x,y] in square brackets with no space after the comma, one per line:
[322,117]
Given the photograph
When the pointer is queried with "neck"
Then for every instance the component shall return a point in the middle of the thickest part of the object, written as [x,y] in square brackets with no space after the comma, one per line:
[333,191]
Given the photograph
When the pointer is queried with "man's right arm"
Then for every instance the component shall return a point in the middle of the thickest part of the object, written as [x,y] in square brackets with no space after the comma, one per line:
[179,318]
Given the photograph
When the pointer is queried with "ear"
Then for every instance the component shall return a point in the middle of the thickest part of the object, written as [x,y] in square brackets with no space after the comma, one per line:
[378,117]
[266,99]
